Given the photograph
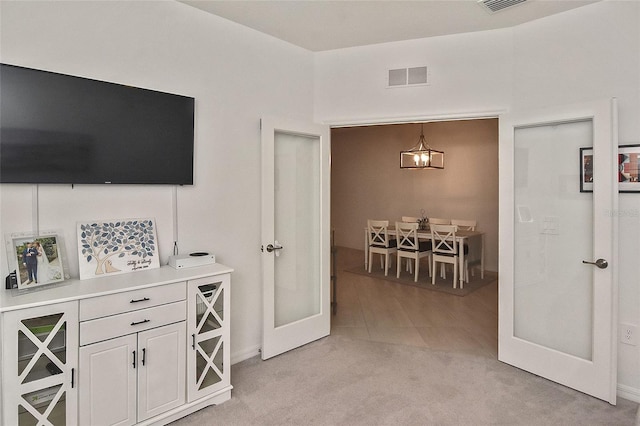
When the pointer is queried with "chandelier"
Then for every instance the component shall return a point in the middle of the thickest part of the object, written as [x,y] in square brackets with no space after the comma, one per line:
[422,156]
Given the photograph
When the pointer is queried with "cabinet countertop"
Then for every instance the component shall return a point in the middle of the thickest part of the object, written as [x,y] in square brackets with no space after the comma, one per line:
[74,289]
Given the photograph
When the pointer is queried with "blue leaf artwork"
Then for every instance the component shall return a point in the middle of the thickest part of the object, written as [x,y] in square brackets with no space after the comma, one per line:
[117,246]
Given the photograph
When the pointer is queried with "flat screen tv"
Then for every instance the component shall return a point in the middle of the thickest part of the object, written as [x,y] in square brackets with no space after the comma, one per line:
[61,129]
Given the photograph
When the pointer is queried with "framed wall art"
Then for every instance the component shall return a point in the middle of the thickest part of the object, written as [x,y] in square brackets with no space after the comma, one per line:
[117,247]
[628,168]
[37,259]
[586,169]
[628,157]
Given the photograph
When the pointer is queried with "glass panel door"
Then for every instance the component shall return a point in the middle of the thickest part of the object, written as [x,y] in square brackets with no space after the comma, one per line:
[558,244]
[206,369]
[295,234]
[553,234]
[40,360]
[297,227]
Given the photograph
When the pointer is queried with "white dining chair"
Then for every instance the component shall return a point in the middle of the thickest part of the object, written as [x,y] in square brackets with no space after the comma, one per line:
[411,248]
[444,250]
[379,242]
[410,219]
[465,224]
[439,221]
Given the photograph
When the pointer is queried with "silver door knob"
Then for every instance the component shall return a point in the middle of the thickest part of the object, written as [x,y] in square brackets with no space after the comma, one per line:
[272,247]
[600,263]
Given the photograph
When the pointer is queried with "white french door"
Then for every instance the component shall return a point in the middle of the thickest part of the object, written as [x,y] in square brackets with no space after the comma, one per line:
[558,205]
[295,234]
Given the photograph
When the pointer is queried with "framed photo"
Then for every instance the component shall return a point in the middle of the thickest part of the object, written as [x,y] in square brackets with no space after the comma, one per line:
[586,169]
[628,159]
[117,247]
[37,260]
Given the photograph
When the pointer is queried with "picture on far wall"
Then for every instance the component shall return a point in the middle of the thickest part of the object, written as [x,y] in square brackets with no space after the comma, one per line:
[116,247]
[628,169]
[586,169]
[37,260]
[628,156]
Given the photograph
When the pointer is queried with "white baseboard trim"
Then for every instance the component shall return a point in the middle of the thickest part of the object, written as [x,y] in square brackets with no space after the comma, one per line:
[247,353]
[628,392]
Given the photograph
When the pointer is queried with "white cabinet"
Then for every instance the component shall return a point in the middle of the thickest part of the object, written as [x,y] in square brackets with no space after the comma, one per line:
[40,349]
[149,347]
[161,370]
[132,378]
[142,339]
[109,394]
[208,364]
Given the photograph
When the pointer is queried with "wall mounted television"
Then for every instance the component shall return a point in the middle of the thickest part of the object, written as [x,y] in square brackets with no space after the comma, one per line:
[62,129]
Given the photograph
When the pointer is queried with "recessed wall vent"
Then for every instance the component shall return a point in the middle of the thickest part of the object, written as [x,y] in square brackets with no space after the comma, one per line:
[403,77]
[497,5]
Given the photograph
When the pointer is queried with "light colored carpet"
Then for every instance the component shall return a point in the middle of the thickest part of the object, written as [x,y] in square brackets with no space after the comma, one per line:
[424,281]
[341,381]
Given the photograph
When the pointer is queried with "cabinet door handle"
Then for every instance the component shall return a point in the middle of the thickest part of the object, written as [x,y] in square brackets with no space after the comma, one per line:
[144,355]
[144,299]
[140,322]
[73,370]
[134,359]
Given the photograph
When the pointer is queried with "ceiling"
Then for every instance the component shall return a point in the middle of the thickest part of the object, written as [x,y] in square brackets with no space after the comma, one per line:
[319,25]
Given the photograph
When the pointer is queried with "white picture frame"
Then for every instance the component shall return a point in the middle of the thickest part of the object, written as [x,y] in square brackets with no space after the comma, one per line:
[116,246]
[37,259]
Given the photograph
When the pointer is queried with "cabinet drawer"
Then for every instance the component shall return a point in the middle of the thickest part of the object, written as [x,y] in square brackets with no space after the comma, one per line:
[102,306]
[131,322]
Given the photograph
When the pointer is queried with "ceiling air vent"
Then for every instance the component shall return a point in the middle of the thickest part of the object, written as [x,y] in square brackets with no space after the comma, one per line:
[498,5]
[403,77]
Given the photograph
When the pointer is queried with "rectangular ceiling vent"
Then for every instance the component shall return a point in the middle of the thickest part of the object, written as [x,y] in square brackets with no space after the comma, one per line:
[403,77]
[494,6]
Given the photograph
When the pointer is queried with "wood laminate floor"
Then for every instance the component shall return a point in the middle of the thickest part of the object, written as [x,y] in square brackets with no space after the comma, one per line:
[384,311]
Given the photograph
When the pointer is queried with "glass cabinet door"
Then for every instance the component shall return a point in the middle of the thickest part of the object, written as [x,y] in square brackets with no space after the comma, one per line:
[40,363]
[208,327]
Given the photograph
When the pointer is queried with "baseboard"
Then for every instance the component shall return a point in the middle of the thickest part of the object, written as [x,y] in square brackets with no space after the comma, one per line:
[628,392]
[247,353]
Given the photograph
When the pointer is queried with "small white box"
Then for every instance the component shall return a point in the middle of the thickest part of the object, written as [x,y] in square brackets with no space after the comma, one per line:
[191,260]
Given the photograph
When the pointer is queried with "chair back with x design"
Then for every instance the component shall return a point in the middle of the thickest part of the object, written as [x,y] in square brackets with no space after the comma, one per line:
[378,233]
[443,239]
[379,242]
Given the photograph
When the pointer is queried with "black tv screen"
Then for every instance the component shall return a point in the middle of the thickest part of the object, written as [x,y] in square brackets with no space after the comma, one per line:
[57,128]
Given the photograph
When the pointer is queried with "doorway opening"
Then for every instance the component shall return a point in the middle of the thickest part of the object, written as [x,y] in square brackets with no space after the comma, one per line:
[367,183]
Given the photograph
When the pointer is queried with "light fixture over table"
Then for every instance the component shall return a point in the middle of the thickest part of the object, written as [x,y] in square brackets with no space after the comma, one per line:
[422,156]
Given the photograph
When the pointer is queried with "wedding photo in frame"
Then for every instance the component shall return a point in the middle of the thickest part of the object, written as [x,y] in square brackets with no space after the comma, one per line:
[37,260]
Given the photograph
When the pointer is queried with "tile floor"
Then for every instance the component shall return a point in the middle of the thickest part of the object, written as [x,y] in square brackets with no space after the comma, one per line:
[384,311]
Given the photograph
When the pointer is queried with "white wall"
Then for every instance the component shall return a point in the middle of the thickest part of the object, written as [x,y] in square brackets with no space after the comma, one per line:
[588,53]
[235,74]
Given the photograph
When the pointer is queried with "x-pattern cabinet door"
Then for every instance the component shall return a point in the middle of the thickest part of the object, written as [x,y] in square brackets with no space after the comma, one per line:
[208,324]
[40,365]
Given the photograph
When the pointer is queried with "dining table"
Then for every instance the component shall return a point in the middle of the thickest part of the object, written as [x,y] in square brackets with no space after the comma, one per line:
[473,239]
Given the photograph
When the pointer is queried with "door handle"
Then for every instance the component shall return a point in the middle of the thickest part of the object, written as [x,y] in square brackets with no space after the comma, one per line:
[275,247]
[600,263]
